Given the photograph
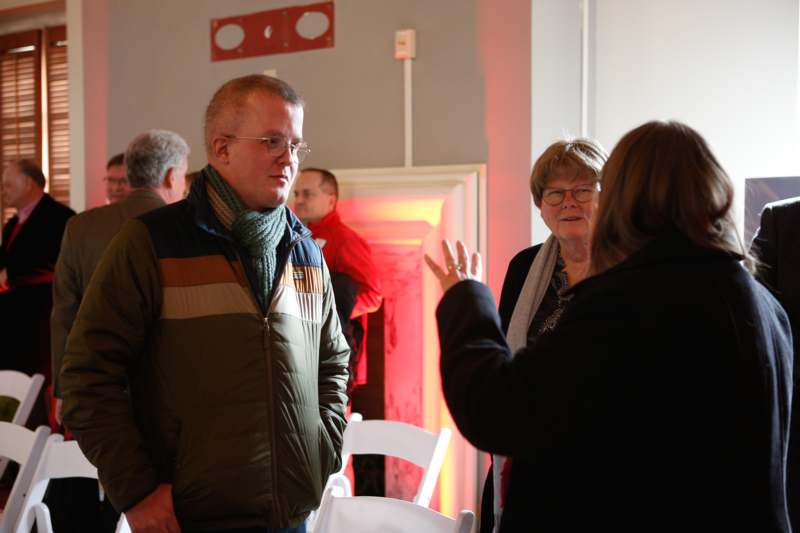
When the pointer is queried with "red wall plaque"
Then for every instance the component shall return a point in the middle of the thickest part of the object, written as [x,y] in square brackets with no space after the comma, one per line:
[289,29]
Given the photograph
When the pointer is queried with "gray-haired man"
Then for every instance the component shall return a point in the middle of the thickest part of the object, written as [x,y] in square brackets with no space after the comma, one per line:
[156,165]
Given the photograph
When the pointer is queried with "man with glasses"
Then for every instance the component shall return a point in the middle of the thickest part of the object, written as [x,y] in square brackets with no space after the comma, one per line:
[116,181]
[348,256]
[216,313]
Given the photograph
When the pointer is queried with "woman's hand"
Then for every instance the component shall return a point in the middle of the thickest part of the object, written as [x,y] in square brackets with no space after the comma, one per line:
[456,270]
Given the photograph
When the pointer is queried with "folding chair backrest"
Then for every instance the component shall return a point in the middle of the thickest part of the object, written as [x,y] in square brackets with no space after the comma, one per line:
[398,439]
[369,514]
[59,460]
[23,388]
[24,447]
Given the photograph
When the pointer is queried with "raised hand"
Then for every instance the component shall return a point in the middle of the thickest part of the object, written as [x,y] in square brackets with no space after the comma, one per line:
[458,266]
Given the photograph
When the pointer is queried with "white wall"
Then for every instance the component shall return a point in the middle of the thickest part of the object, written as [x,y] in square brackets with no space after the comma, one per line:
[728,68]
[555,84]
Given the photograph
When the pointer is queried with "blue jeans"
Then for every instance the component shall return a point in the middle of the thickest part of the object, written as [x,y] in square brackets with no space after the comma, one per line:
[299,529]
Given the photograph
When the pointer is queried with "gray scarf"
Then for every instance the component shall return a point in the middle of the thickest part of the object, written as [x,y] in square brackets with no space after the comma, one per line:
[258,232]
[528,302]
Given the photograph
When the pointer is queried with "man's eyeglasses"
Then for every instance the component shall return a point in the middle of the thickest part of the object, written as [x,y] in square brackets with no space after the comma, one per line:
[277,146]
[119,182]
[581,194]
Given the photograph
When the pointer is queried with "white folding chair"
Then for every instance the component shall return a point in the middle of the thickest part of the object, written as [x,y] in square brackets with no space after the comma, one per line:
[59,460]
[396,439]
[23,388]
[24,447]
[371,514]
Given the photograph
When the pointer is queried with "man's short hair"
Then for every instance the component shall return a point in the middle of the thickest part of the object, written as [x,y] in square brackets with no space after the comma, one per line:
[151,154]
[328,183]
[27,167]
[116,161]
[224,110]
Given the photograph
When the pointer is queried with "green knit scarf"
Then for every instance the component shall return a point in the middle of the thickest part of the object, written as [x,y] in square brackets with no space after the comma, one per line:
[258,232]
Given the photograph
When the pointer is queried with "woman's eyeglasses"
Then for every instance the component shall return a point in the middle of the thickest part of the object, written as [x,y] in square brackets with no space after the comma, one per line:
[581,194]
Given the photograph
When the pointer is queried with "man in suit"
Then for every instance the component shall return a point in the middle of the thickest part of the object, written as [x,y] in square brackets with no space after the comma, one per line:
[156,164]
[777,245]
[31,240]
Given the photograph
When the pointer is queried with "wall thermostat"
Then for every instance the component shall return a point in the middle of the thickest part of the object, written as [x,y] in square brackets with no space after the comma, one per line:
[405,44]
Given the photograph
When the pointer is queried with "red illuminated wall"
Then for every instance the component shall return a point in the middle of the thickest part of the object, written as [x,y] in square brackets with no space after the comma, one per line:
[404,215]
[504,37]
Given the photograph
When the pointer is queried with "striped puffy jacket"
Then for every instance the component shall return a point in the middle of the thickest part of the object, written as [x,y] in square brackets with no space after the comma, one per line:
[176,373]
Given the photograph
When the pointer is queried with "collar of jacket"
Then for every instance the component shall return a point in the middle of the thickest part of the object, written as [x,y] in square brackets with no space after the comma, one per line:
[669,245]
[145,194]
[331,218]
[206,219]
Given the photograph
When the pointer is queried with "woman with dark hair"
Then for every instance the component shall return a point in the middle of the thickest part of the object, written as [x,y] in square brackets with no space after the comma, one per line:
[661,400]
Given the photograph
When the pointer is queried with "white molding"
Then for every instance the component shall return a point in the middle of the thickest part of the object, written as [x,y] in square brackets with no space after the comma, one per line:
[427,179]
[417,207]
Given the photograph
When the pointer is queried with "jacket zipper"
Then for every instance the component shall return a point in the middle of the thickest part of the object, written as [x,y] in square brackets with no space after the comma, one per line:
[268,393]
[270,404]
[265,340]
[271,411]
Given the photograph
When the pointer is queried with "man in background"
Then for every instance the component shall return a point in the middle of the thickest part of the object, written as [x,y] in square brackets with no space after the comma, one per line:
[157,163]
[156,166]
[116,180]
[31,240]
[777,246]
[348,256]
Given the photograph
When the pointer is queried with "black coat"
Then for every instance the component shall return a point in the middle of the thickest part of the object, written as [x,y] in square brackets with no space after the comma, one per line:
[35,248]
[516,274]
[25,309]
[659,403]
[777,245]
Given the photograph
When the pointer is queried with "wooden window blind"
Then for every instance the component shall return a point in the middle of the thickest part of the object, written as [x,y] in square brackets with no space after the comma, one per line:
[20,99]
[57,112]
[22,124]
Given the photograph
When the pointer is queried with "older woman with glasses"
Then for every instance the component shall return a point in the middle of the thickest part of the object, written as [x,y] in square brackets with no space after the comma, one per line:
[660,401]
[565,182]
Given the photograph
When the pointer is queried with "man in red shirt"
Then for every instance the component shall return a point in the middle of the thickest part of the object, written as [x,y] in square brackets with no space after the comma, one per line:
[348,257]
